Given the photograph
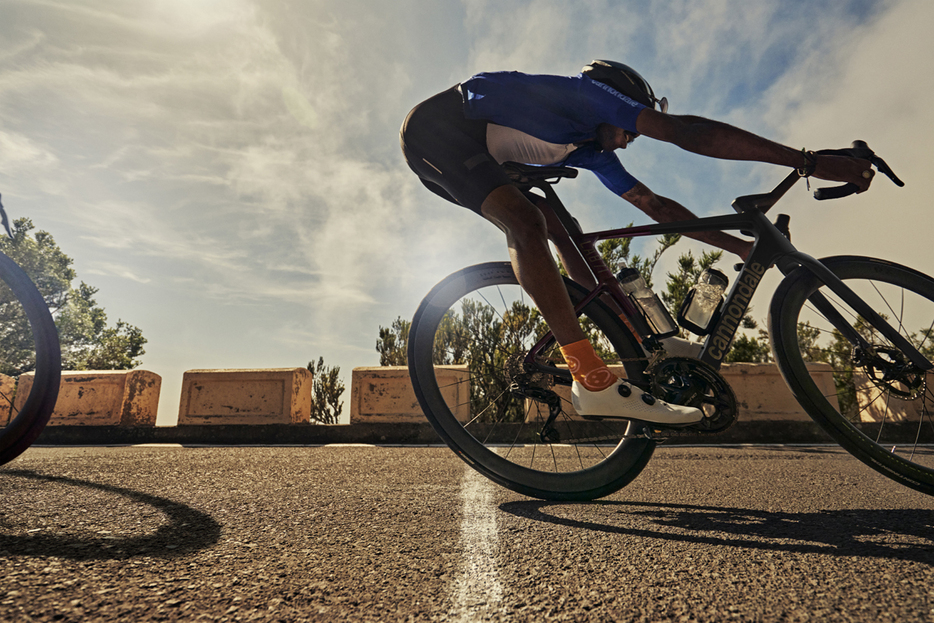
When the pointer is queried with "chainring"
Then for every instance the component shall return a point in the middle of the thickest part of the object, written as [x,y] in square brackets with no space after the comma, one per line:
[691,382]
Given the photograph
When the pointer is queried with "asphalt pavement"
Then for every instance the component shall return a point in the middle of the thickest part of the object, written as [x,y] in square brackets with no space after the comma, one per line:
[365,533]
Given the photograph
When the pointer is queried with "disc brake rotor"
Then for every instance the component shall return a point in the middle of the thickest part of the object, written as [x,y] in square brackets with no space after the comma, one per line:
[890,371]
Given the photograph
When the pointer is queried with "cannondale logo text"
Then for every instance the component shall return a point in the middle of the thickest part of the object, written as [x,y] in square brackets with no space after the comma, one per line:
[733,314]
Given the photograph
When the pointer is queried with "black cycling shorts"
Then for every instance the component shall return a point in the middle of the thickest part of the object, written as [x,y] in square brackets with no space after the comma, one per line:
[448,151]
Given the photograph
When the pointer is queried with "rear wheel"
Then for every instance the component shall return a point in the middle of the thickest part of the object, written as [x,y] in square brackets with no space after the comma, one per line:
[872,400]
[509,418]
[30,361]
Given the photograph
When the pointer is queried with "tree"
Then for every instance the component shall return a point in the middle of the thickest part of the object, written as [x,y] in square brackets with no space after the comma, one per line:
[393,343]
[326,390]
[87,342]
[746,349]
[489,341]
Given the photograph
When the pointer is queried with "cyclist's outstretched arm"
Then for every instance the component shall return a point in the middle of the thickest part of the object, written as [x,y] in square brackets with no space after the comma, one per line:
[665,210]
[720,140]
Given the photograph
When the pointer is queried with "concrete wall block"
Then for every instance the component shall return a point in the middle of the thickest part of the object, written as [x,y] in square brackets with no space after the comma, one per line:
[763,395]
[7,390]
[873,407]
[385,394]
[261,396]
[102,398]
[141,398]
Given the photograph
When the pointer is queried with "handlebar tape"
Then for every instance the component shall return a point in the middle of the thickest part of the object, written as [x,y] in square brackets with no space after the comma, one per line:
[835,192]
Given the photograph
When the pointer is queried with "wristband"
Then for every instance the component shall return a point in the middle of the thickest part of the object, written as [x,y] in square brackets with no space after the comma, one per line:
[810,163]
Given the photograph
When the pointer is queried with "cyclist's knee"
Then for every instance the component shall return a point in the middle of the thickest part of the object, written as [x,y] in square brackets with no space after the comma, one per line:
[509,210]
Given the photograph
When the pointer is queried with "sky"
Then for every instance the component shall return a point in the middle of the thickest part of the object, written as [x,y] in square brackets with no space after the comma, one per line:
[227,172]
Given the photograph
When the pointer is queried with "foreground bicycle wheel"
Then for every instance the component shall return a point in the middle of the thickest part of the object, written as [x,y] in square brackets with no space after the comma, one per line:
[28,343]
[878,405]
[466,348]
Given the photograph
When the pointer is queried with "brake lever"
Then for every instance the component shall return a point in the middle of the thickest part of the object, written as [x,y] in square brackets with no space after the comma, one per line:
[881,165]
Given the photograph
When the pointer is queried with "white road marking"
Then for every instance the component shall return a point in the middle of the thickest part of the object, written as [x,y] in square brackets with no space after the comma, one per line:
[478,593]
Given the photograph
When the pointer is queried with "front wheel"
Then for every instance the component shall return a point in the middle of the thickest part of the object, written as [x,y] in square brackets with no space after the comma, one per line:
[870,398]
[508,418]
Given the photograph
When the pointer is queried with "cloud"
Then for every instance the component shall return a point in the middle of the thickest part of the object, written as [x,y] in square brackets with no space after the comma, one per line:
[19,153]
[300,107]
[117,270]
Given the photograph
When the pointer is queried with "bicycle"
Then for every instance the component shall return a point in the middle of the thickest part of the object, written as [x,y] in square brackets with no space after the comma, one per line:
[502,405]
[29,342]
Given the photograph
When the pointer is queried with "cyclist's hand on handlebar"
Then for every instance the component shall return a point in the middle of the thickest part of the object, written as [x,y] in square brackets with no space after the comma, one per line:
[852,165]
[856,171]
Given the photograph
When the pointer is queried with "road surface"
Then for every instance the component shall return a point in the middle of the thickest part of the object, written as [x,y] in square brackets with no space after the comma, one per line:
[355,533]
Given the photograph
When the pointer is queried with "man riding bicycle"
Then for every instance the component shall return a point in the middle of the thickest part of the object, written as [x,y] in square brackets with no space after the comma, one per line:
[455,142]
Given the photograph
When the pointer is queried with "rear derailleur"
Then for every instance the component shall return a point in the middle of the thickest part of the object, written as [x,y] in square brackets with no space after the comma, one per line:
[548,433]
[530,384]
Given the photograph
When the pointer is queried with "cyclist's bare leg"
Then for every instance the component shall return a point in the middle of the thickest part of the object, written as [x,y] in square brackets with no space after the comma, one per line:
[527,236]
[568,253]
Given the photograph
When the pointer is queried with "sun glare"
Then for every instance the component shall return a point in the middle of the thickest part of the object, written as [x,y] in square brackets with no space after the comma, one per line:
[191,17]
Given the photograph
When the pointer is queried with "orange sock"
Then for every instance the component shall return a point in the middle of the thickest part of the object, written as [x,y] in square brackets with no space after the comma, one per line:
[586,367]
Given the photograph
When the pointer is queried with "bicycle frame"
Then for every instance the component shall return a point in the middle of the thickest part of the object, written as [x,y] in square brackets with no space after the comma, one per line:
[772,247]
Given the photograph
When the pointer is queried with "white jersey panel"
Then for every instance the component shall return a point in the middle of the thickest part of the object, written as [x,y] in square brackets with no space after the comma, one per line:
[509,145]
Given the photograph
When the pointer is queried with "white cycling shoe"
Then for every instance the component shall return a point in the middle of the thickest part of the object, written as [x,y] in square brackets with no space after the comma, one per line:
[621,400]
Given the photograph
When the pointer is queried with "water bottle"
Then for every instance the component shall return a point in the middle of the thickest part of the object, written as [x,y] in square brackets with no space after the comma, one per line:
[656,315]
[700,306]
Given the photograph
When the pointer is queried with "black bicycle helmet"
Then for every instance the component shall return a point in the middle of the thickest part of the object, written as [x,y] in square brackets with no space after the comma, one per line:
[626,80]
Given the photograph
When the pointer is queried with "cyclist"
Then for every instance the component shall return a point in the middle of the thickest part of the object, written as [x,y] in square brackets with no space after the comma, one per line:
[456,140]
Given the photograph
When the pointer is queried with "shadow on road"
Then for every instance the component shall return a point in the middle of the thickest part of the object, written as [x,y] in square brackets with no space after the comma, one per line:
[901,534]
[183,530]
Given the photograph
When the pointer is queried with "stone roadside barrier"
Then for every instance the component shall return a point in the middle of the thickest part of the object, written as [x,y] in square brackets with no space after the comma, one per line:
[264,406]
[385,394]
[102,398]
[274,406]
[7,392]
[892,409]
[257,396]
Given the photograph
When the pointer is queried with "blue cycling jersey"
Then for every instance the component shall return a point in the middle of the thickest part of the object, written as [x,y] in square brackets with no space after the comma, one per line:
[557,109]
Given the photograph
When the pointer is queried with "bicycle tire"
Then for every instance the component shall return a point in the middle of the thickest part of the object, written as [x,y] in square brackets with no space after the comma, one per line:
[21,427]
[884,414]
[590,460]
